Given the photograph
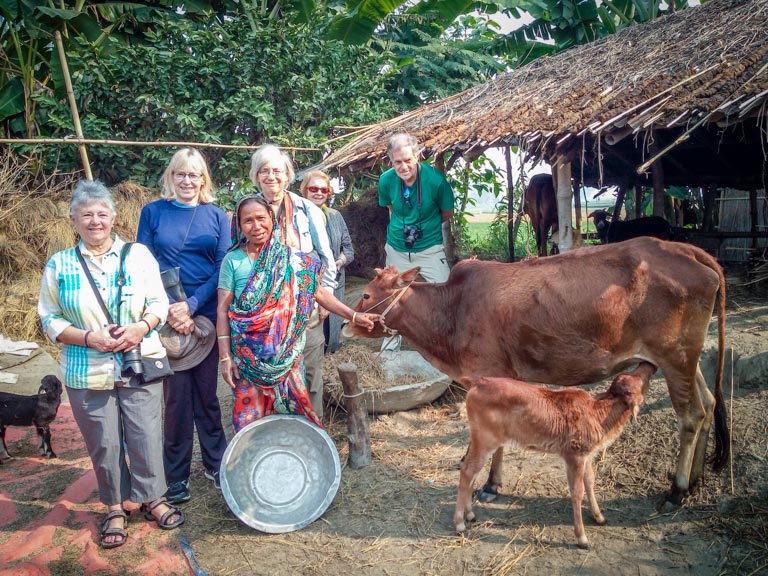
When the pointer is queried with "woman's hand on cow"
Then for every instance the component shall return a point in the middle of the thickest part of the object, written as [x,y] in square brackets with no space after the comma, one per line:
[365,320]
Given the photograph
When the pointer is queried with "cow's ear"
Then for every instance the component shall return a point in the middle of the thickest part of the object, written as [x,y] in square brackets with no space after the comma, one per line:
[407,277]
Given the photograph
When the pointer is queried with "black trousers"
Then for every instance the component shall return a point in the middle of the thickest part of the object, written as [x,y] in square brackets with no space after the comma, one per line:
[191,402]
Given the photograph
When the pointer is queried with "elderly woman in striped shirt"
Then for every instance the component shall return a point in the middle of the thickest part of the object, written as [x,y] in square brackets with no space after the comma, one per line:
[119,416]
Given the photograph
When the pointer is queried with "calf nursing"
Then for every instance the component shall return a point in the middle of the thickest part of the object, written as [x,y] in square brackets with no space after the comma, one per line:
[568,422]
[38,411]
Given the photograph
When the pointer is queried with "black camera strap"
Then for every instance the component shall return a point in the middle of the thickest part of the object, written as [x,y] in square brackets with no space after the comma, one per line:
[120,280]
[417,182]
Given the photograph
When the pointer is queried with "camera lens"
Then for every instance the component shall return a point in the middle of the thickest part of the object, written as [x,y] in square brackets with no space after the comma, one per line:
[132,362]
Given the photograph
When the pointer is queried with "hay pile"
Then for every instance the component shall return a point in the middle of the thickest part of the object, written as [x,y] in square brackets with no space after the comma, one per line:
[34,224]
[370,371]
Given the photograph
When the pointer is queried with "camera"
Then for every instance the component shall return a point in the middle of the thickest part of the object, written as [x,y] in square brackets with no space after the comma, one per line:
[132,362]
[132,365]
[411,234]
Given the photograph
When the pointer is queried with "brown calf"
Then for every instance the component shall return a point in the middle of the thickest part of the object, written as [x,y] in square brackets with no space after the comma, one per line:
[568,422]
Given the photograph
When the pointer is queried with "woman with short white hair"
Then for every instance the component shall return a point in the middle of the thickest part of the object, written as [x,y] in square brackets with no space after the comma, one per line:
[119,416]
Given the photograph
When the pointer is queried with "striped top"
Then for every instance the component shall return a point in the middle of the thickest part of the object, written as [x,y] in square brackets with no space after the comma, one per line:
[67,299]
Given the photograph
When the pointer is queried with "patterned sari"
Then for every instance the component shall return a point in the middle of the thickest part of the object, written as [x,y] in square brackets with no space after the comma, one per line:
[267,323]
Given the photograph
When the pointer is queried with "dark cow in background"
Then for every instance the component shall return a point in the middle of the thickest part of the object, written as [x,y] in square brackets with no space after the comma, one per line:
[540,203]
[611,230]
[573,319]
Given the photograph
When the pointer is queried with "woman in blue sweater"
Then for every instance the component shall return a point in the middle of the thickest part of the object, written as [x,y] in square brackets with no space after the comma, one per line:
[184,229]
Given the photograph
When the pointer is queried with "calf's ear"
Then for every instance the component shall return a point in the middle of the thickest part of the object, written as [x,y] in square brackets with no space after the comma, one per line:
[407,277]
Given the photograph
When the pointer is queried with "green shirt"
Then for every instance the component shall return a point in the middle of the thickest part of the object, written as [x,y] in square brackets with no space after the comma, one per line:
[235,271]
[436,195]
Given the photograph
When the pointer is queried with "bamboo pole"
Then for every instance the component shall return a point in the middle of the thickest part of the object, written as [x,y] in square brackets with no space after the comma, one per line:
[153,143]
[73,105]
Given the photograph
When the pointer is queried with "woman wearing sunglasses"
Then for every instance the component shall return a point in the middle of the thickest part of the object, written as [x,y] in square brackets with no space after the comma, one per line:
[316,187]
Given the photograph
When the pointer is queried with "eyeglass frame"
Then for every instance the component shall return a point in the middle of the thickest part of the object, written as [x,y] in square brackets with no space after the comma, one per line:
[193,176]
[318,189]
[264,171]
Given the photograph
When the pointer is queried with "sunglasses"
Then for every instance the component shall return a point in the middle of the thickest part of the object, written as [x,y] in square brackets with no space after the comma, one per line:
[318,190]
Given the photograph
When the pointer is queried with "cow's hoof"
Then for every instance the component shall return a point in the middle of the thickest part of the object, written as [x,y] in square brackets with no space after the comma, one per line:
[484,497]
[583,545]
[488,493]
[460,528]
[600,521]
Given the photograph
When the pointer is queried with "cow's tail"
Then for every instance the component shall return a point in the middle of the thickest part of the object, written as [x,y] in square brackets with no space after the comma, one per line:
[722,435]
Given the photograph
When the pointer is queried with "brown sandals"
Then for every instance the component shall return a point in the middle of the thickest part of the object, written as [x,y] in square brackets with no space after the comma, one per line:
[106,530]
[164,520]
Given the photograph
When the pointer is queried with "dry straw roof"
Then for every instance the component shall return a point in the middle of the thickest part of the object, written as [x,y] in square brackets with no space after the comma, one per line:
[706,65]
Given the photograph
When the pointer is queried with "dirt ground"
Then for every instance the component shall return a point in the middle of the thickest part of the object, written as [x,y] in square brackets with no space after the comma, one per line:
[395,515]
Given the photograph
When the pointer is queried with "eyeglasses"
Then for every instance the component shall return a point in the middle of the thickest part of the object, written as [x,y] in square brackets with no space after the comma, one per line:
[180,176]
[318,190]
[273,171]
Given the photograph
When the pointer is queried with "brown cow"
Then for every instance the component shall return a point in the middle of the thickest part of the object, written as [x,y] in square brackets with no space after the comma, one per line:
[568,422]
[571,319]
[540,204]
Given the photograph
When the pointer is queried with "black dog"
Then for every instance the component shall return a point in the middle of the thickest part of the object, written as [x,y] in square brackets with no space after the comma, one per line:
[38,411]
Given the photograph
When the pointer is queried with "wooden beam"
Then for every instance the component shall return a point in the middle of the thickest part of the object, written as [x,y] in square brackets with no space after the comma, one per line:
[564,193]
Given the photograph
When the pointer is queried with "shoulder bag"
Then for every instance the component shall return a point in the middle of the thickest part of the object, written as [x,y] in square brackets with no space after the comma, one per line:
[147,370]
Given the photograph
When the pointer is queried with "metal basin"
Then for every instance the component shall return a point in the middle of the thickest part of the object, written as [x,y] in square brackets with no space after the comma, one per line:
[280,473]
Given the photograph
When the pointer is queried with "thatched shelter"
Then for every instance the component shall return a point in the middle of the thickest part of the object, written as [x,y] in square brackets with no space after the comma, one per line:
[680,100]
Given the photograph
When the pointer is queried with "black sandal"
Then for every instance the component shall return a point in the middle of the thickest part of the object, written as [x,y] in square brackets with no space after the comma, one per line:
[106,530]
[164,520]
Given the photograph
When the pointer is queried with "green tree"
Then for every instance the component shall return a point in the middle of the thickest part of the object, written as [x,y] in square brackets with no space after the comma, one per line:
[245,80]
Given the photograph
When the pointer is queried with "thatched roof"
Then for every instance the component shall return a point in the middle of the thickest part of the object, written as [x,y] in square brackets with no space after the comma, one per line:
[699,76]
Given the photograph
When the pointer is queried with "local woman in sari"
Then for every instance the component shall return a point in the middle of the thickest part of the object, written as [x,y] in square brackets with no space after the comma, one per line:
[265,297]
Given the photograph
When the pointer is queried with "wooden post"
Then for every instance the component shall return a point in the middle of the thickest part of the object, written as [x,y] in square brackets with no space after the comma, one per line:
[619,202]
[577,209]
[753,215]
[564,193]
[73,106]
[357,417]
[657,176]
[511,228]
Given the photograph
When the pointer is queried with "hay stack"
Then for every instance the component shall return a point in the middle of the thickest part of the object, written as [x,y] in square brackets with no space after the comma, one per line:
[34,219]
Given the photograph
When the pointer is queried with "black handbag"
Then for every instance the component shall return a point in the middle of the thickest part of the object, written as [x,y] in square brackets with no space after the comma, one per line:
[153,369]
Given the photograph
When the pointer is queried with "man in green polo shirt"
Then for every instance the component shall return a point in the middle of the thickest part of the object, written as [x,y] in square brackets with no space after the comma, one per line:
[419,200]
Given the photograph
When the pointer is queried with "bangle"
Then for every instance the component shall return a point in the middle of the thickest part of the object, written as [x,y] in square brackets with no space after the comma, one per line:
[222,336]
[85,338]
[149,328]
[225,358]
[354,315]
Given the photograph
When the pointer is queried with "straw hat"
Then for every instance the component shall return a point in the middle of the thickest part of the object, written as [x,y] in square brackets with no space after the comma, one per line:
[186,351]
